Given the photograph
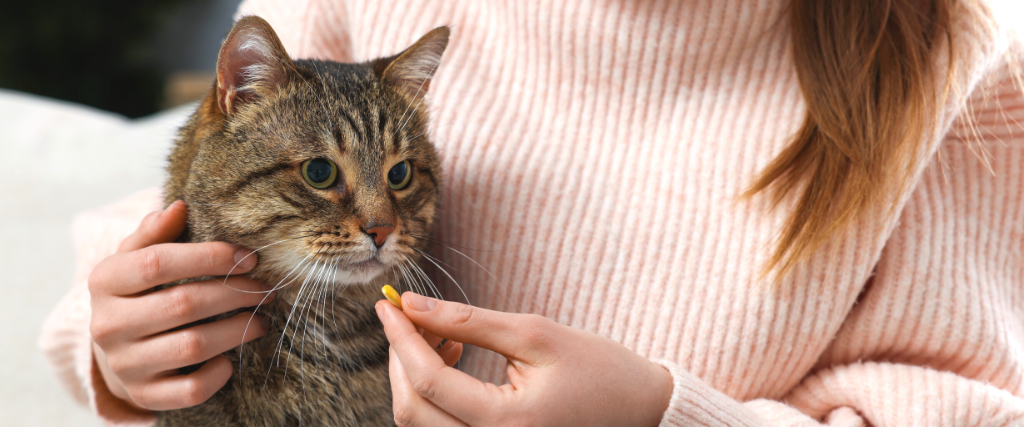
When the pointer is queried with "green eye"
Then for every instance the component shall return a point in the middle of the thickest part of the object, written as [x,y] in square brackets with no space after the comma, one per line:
[320,173]
[400,175]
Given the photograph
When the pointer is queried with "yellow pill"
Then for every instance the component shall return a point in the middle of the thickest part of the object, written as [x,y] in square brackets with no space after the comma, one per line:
[392,296]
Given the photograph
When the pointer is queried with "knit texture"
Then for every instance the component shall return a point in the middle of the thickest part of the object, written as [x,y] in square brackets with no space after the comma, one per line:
[594,154]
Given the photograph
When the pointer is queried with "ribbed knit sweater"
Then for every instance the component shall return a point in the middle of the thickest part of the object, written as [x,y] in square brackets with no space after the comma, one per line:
[594,154]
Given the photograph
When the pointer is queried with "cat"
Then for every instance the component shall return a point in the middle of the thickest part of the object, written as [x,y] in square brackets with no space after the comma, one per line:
[327,170]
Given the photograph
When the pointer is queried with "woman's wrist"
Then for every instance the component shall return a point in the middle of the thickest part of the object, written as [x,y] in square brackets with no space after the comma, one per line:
[660,395]
[110,382]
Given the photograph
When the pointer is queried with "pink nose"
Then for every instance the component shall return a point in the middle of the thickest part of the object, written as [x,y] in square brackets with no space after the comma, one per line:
[379,233]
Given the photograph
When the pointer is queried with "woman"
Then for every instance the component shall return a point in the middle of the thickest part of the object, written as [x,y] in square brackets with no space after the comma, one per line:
[732,212]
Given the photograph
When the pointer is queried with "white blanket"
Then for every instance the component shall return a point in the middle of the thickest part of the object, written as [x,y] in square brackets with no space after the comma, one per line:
[58,159]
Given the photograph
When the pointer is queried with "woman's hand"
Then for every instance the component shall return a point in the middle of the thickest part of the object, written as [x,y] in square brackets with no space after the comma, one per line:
[560,376]
[137,356]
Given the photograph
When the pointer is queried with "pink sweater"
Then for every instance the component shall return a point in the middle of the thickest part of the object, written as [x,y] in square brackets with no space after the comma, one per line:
[594,154]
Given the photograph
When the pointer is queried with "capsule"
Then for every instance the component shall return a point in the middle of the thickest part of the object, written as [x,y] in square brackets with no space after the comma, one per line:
[392,296]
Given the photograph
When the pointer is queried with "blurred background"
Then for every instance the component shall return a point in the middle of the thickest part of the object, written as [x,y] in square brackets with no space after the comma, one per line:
[91,94]
[129,57]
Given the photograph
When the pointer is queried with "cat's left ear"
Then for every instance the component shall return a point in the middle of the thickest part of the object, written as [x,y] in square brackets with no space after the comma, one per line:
[252,64]
[412,69]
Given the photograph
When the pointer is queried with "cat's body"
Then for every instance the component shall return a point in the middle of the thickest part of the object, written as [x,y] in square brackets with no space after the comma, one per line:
[328,367]
[304,161]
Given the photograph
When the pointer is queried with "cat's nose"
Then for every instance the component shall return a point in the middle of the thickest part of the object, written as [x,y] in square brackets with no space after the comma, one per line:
[379,233]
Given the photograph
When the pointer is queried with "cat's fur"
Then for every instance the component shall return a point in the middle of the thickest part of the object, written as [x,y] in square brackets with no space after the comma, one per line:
[237,165]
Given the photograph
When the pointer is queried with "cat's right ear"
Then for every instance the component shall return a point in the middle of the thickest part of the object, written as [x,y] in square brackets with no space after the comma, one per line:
[252,64]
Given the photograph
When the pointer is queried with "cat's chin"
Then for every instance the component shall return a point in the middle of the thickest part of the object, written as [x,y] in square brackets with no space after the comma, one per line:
[362,272]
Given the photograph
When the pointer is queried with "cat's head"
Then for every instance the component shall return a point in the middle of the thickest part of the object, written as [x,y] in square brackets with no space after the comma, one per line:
[324,167]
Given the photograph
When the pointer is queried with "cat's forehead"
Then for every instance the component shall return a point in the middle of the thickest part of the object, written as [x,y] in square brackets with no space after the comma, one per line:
[343,108]
[355,85]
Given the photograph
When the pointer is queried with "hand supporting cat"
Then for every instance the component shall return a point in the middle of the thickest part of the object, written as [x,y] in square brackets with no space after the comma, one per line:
[559,375]
[137,345]
[134,362]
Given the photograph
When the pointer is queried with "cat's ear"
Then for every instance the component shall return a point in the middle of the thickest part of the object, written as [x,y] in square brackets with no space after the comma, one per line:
[252,64]
[412,69]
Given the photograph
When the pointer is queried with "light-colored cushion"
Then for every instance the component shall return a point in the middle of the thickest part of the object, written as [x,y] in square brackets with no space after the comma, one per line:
[58,159]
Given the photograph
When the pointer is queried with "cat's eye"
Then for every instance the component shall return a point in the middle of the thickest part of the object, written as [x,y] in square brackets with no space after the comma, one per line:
[400,175]
[320,173]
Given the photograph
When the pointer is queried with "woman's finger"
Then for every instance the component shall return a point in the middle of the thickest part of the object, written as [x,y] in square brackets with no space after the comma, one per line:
[409,407]
[168,262]
[431,339]
[450,352]
[522,337]
[158,227]
[188,302]
[193,345]
[183,391]
[453,391]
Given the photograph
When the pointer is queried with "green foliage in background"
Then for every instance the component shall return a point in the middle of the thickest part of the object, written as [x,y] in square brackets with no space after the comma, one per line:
[91,52]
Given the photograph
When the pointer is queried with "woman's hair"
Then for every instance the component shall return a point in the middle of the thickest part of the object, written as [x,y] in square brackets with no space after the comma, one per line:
[872,78]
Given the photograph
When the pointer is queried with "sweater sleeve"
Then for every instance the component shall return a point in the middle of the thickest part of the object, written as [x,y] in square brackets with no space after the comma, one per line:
[935,337]
[859,394]
[65,337]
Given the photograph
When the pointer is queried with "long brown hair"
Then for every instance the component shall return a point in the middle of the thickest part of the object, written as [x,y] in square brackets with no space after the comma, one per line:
[872,78]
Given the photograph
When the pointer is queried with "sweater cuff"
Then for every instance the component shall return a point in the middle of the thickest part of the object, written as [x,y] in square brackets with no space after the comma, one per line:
[112,410]
[695,403]
[65,338]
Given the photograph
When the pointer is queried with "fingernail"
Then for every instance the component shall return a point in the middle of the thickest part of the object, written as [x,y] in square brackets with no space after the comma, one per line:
[264,321]
[380,311]
[245,259]
[170,207]
[419,302]
[164,210]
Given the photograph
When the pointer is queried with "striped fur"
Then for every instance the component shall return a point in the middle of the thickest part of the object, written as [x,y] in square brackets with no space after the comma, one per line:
[237,164]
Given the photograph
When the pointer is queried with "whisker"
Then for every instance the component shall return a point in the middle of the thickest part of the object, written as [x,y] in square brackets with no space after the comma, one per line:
[280,342]
[424,279]
[415,281]
[435,259]
[447,245]
[423,274]
[428,258]
[298,299]
[304,317]
[398,277]
[260,304]
[224,282]
[409,282]
[328,284]
[474,262]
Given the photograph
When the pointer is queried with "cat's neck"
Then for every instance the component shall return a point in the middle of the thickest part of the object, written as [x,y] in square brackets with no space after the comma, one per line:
[315,294]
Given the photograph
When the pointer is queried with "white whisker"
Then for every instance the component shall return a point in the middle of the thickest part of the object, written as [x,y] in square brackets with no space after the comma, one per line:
[428,258]
[250,254]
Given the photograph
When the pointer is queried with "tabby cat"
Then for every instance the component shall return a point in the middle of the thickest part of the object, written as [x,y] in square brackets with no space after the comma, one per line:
[327,170]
